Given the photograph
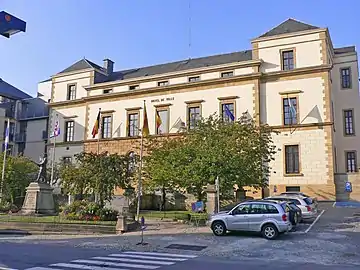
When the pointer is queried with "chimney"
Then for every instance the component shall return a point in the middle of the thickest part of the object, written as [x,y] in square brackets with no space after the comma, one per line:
[109,66]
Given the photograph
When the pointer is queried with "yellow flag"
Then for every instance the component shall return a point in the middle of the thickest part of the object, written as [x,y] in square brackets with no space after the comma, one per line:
[145,129]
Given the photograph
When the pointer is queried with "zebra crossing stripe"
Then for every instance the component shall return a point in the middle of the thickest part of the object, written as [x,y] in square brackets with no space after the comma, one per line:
[160,254]
[148,257]
[40,268]
[132,260]
[80,266]
[142,266]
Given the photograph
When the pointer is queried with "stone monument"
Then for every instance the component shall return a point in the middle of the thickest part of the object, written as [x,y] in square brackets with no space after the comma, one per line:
[39,194]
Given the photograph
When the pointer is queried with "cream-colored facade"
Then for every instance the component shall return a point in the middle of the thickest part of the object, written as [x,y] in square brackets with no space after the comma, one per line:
[297,65]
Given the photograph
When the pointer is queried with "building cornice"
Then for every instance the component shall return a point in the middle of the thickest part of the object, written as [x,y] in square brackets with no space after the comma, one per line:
[170,75]
[159,90]
[288,35]
[152,90]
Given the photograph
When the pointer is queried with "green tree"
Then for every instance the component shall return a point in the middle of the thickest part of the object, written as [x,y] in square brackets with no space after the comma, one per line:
[96,173]
[238,153]
[159,166]
[19,172]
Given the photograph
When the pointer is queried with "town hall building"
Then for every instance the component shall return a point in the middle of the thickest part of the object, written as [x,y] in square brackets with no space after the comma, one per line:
[294,66]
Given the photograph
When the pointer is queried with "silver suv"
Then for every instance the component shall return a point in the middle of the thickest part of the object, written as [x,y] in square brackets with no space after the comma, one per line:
[267,218]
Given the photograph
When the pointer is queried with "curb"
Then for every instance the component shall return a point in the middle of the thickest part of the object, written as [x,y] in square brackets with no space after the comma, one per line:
[14,232]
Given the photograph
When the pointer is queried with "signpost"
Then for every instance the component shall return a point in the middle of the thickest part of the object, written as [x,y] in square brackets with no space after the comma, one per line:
[10,25]
[348,187]
[143,227]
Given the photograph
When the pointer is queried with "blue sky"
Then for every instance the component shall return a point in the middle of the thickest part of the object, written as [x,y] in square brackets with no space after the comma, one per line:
[136,33]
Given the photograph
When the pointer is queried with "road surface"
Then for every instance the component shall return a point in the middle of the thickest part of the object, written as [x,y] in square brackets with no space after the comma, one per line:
[52,256]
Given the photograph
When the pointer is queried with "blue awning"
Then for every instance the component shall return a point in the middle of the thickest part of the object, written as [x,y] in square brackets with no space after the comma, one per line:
[10,25]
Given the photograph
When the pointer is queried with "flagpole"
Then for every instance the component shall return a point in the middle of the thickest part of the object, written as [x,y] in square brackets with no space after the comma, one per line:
[4,161]
[99,133]
[140,172]
[55,134]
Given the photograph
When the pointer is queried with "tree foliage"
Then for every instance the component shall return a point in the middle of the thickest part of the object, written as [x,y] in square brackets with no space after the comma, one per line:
[239,153]
[96,173]
[19,172]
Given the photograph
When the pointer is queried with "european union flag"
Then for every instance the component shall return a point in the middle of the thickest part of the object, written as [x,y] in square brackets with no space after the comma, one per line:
[229,113]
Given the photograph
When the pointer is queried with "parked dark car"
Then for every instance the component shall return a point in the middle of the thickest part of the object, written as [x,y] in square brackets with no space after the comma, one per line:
[295,216]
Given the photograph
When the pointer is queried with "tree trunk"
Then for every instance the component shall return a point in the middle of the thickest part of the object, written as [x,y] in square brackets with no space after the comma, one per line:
[163,198]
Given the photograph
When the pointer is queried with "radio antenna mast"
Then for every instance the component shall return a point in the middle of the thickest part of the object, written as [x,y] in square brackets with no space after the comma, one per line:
[190,34]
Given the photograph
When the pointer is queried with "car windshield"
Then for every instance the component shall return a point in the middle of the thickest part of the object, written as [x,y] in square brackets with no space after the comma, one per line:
[308,201]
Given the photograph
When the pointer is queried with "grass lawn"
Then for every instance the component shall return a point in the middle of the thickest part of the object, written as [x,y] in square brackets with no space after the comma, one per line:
[51,219]
[179,215]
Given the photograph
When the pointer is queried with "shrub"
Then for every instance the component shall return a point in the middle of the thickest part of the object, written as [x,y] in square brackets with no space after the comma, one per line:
[89,211]
[7,207]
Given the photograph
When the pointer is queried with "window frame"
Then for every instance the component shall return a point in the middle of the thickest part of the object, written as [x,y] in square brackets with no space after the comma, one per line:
[286,173]
[282,52]
[103,116]
[191,78]
[107,91]
[352,121]
[283,98]
[137,131]
[66,129]
[163,83]
[346,161]
[162,108]
[69,91]
[341,78]
[67,158]
[221,111]
[190,105]
[227,72]
[134,87]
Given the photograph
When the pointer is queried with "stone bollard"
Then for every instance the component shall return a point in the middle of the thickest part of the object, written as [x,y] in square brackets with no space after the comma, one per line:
[121,224]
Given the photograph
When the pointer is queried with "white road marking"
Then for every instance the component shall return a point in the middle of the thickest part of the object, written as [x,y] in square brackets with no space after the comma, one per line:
[160,254]
[316,220]
[116,264]
[132,260]
[40,268]
[85,267]
[334,204]
[5,268]
[147,257]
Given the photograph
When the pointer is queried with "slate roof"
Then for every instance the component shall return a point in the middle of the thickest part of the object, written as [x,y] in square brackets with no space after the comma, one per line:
[182,65]
[289,26]
[7,90]
[81,64]
[344,50]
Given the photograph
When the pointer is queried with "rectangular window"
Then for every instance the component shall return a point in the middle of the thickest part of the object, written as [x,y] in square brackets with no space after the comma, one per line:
[133,124]
[164,117]
[345,78]
[69,131]
[107,91]
[194,79]
[292,159]
[106,127]
[228,112]
[67,160]
[287,60]
[163,83]
[290,111]
[194,115]
[349,122]
[292,189]
[134,87]
[227,74]
[351,165]
[71,92]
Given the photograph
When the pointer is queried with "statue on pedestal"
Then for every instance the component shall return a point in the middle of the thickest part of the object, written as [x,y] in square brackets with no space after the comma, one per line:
[41,177]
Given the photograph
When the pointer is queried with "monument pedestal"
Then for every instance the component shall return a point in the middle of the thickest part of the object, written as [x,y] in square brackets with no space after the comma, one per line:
[39,199]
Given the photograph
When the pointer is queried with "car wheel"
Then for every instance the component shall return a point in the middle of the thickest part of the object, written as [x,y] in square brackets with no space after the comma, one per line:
[269,231]
[296,219]
[218,228]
